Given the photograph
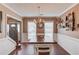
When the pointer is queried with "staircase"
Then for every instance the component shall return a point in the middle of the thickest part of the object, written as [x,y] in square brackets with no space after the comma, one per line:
[7,45]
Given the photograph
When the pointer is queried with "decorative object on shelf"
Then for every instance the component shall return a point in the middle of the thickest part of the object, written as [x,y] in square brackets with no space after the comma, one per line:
[70,21]
[66,22]
[61,23]
[0,20]
[63,26]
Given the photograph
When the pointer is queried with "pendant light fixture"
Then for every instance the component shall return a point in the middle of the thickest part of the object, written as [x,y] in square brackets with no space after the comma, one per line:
[38,20]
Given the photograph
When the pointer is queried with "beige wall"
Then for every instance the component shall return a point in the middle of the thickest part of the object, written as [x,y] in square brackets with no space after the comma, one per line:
[75,33]
[26,19]
[6,11]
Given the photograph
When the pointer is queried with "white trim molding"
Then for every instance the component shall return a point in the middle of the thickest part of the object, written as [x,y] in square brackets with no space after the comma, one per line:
[68,8]
[7,15]
[55,16]
[10,9]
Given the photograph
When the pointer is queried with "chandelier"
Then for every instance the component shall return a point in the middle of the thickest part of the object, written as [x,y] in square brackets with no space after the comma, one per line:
[39,21]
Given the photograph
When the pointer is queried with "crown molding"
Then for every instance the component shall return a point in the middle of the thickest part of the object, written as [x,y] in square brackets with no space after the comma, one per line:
[18,19]
[10,9]
[57,15]
[68,8]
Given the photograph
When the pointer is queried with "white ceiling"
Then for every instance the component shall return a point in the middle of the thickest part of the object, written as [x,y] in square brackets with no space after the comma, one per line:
[47,9]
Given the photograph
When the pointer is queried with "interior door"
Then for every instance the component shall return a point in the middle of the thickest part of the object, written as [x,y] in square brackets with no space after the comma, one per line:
[48,32]
[32,32]
[13,32]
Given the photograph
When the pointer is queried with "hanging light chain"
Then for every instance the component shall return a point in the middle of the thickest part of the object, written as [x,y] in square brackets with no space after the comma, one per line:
[39,16]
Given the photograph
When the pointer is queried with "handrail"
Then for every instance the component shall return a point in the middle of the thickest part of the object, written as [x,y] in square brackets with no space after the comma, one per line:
[10,39]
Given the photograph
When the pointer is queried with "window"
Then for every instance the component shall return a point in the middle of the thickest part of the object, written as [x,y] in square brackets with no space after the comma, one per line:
[48,32]
[32,32]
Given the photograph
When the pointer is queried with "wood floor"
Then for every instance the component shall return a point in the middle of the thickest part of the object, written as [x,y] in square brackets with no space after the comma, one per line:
[28,49]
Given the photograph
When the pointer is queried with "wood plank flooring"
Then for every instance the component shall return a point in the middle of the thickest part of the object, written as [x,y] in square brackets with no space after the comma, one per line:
[28,49]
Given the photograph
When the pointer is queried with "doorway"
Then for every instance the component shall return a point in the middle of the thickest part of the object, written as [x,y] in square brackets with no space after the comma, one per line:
[14,29]
[13,32]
